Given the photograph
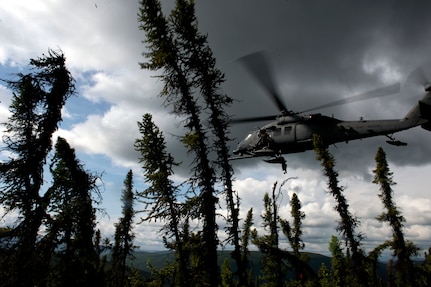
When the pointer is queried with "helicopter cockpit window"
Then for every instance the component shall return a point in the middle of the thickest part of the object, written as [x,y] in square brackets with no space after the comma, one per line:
[287,130]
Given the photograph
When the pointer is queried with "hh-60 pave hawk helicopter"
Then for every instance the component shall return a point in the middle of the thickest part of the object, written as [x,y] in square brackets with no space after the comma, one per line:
[292,132]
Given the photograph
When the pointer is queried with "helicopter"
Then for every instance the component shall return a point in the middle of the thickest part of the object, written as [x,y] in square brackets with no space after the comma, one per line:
[292,132]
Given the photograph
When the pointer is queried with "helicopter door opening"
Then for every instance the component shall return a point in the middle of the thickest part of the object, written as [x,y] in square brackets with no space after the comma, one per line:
[303,133]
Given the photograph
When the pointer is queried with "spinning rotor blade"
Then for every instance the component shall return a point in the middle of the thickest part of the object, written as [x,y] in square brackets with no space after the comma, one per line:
[254,119]
[257,65]
[418,77]
[377,93]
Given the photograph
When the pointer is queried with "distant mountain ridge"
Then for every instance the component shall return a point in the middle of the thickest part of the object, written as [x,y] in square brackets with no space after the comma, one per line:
[158,259]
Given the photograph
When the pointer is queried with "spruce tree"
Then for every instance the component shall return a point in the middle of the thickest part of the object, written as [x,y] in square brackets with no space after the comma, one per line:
[73,221]
[272,270]
[426,268]
[244,278]
[36,112]
[208,78]
[123,237]
[348,222]
[175,45]
[294,233]
[226,274]
[324,275]
[160,197]
[338,263]
[402,249]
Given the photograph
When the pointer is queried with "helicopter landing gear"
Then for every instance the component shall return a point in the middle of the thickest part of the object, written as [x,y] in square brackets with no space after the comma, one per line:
[394,142]
[278,159]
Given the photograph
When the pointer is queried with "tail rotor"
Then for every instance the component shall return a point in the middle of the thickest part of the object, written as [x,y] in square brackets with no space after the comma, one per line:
[420,78]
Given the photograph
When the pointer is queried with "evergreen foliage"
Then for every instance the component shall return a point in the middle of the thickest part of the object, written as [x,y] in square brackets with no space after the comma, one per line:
[276,261]
[35,114]
[56,224]
[403,267]
[294,233]
[72,222]
[170,51]
[189,73]
[161,196]
[123,237]
[425,268]
[244,251]
[272,272]
[348,222]
[338,263]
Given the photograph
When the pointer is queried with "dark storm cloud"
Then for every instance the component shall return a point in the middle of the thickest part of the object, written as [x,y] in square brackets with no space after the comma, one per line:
[318,50]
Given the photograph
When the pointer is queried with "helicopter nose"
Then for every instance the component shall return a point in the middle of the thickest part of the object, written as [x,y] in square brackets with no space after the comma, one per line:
[244,145]
[241,147]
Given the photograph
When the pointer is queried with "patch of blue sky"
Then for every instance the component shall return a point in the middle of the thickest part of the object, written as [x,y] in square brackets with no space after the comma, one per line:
[84,78]
[78,107]
[9,71]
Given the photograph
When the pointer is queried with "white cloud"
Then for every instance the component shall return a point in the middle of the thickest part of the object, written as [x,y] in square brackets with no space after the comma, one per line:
[109,134]
[383,68]
[92,38]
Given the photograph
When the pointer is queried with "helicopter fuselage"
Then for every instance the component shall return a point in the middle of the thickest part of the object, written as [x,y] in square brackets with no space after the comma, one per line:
[294,134]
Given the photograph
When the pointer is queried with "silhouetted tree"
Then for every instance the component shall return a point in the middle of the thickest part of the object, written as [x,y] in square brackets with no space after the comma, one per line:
[226,274]
[36,112]
[123,237]
[208,78]
[338,263]
[274,261]
[244,256]
[161,196]
[175,45]
[294,233]
[426,268]
[373,260]
[403,267]
[272,270]
[324,275]
[72,221]
[348,222]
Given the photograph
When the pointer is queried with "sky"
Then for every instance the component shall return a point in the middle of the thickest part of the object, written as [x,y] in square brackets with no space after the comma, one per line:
[319,51]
